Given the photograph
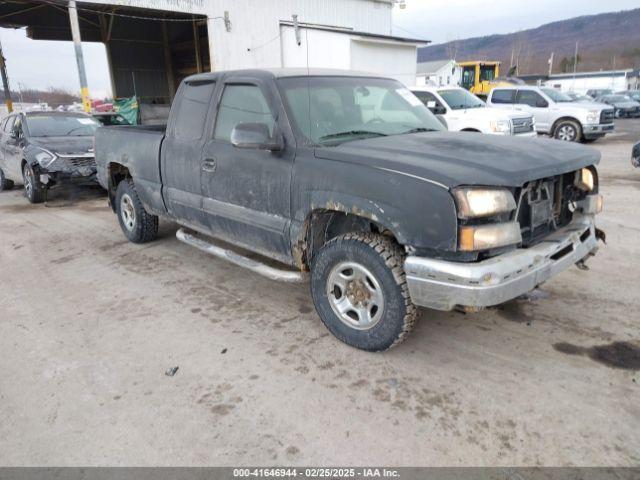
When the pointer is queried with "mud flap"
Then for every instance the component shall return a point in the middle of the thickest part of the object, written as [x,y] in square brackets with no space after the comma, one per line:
[600,235]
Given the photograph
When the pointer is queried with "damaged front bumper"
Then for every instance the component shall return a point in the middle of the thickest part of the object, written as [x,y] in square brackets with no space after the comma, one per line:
[443,285]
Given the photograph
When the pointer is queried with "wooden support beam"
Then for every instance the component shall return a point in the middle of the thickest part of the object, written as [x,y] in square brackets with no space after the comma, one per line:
[168,63]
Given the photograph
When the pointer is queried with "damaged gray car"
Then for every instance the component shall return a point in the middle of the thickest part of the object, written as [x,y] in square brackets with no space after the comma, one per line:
[351,183]
[43,149]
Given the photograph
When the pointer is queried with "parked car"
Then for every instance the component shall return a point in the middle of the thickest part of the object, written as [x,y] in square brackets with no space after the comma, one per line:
[632,94]
[555,113]
[461,111]
[42,149]
[349,177]
[635,155]
[624,107]
[110,118]
[598,92]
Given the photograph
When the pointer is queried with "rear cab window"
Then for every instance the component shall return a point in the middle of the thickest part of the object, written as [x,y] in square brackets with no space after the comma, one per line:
[503,96]
[192,111]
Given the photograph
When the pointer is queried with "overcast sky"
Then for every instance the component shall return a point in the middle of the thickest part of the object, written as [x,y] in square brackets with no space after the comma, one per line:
[42,64]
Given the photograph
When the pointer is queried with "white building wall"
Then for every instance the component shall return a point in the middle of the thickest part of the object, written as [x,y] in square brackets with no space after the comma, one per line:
[326,49]
[582,84]
[253,38]
[386,58]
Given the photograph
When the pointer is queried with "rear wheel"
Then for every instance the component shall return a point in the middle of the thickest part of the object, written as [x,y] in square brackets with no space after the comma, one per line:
[568,131]
[137,224]
[360,291]
[33,189]
[4,183]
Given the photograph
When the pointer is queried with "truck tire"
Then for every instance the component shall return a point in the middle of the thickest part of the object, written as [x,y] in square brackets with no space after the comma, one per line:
[568,131]
[4,183]
[360,292]
[33,189]
[137,225]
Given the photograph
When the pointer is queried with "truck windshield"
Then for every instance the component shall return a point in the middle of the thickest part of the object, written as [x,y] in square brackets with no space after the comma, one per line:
[333,110]
[61,126]
[459,99]
[556,96]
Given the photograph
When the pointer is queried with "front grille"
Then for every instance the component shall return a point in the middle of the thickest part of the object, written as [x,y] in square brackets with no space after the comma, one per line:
[545,205]
[522,125]
[81,162]
[606,116]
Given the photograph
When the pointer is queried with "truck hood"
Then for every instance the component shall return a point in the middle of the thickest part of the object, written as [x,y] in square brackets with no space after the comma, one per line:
[582,105]
[64,145]
[462,158]
[625,104]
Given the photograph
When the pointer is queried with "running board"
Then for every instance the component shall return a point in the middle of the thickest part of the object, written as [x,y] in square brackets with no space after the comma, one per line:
[233,257]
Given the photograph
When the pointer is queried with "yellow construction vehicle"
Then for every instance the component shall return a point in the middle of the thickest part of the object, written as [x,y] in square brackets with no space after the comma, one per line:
[481,77]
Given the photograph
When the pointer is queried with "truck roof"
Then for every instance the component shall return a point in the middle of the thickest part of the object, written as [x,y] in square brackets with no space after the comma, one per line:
[285,72]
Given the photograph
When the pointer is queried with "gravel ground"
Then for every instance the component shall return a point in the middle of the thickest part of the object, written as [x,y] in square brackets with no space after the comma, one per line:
[90,323]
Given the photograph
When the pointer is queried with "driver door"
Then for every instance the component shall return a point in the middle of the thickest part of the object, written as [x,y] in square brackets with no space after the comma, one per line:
[531,101]
[246,192]
[13,149]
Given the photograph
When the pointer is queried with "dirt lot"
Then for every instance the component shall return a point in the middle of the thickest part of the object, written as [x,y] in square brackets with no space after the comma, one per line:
[89,324]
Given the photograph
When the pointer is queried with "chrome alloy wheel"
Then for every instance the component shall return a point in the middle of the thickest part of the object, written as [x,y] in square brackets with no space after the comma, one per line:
[127,212]
[355,295]
[567,133]
[28,180]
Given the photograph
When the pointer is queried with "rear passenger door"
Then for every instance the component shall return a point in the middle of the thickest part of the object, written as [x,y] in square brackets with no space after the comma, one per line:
[246,193]
[181,153]
[503,98]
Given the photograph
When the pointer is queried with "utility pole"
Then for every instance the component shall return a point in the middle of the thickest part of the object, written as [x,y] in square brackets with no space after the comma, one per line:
[551,64]
[5,82]
[77,44]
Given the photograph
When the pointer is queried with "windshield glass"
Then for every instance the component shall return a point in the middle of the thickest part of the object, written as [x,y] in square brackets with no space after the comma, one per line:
[556,96]
[459,99]
[61,126]
[333,110]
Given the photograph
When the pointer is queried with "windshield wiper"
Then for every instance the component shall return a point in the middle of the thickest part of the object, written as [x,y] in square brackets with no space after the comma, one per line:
[418,130]
[350,133]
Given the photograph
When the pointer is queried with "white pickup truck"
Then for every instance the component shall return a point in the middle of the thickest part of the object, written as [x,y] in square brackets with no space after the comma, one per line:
[462,111]
[556,114]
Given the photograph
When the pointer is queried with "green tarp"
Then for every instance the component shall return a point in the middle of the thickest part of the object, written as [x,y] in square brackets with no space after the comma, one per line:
[128,108]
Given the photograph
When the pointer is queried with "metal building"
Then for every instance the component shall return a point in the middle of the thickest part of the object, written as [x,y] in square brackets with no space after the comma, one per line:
[152,44]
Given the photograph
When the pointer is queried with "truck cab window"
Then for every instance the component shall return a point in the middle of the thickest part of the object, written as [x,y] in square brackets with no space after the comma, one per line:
[502,96]
[531,98]
[192,112]
[241,104]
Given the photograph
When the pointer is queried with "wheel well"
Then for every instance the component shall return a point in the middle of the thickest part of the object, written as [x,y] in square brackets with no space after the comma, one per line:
[322,225]
[564,119]
[116,173]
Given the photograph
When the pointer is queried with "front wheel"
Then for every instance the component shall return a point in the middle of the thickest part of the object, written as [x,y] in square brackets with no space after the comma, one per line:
[360,291]
[137,225]
[568,131]
[34,190]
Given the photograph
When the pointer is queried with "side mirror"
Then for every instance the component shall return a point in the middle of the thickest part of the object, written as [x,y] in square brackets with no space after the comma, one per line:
[540,103]
[15,132]
[439,110]
[255,136]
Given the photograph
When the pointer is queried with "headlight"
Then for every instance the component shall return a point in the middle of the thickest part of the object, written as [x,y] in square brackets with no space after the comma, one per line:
[45,158]
[584,180]
[484,237]
[501,126]
[593,116]
[476,202]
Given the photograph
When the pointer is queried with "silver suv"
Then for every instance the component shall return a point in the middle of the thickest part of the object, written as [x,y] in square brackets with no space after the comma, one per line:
[556,114]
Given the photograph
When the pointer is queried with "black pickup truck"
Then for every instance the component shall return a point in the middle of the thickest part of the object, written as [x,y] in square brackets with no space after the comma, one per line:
[349,177]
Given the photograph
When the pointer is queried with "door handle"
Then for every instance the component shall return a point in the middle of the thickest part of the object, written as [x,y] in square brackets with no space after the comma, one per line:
[209,165]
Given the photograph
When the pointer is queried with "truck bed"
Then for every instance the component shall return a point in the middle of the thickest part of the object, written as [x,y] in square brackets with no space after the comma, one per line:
[136,148]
